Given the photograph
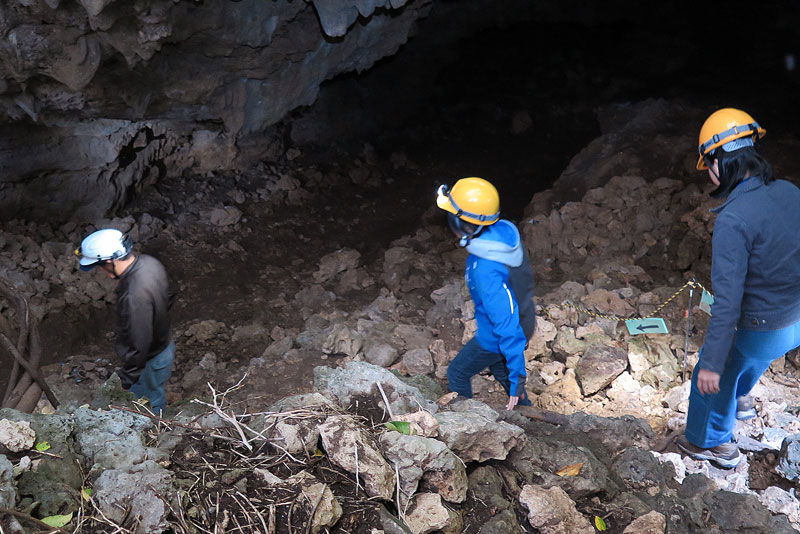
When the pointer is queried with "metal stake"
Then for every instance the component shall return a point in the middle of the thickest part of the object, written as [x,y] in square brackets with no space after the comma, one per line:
[688,329]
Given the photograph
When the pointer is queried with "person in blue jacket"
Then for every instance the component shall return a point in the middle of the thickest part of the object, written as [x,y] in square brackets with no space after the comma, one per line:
[755,272]
[500,281]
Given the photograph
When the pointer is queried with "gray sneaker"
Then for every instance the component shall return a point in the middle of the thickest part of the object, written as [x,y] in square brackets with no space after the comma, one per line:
[726,455]
[744,408]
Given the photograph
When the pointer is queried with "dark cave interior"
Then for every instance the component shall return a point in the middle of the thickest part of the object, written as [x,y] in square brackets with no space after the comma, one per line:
[451,108]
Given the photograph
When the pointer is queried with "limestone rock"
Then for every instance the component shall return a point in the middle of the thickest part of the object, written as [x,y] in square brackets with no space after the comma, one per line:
[418,362]
[316,497]
[138,488]
[650,523]
[418,458]
[599,366]
[353,449]
[356,381]
[473,437]
[16,436]
[551,511]
[335,263]
[427,513]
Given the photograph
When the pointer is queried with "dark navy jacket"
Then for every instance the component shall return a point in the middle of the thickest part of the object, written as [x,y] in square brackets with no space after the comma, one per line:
[500,281]
[755,265]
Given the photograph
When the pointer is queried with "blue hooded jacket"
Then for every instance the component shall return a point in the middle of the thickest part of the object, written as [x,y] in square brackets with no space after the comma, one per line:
[755,265]
[500,282]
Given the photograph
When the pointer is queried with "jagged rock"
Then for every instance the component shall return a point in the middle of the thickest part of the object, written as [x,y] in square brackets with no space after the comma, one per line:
[607,303]
[391,524]
[461,404]
[357,382]
[136,488]
[486,486]
[551,511]
[652,362]
[630,397]
[473,437]
[110,439]
[342,340]
[16,436]
[677,397]
[566,342]
[418,458]
[418,362]
[614,433]
[448,301]
[423,423]
[540,459]
[352,449]
[330,265]
[427,513]
[599,366]
[734,512]
[650,523]
[278,348]
[381,354]
[317,498]
[639,470]
[779,501]
[290,432]
[8,492]
[789,464]
[225,216]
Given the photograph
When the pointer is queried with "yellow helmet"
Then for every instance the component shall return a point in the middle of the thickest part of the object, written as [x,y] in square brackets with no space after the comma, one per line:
[722,127]
[473,200]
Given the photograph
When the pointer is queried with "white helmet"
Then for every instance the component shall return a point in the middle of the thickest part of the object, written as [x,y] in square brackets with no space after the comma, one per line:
[102,246]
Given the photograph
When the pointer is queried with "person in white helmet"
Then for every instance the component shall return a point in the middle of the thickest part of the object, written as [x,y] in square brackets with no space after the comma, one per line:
[143,343]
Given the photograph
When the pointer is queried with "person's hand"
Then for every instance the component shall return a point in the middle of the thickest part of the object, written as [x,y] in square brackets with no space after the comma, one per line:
[707,382]
[512,401]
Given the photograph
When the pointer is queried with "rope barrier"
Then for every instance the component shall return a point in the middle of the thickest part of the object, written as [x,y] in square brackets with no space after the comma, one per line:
[687,285]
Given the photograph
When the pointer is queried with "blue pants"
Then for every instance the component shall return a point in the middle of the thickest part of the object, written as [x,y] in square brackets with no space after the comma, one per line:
[471,360]
[153,378]
[711,418]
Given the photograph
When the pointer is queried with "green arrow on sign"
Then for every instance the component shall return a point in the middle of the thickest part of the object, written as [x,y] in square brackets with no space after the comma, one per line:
[652,325]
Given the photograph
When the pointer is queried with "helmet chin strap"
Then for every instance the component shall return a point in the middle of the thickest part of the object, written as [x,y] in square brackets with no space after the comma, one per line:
[466,238]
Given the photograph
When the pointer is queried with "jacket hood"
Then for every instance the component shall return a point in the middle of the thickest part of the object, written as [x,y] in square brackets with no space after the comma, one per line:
[498,242]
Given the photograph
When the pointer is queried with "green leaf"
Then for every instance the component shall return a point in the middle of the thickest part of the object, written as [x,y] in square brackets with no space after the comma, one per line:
[57,521]
[42,446]
[86,493]
[599,523]
[404,427]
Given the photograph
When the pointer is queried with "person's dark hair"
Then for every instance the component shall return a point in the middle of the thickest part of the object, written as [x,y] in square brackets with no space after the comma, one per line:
[735,166]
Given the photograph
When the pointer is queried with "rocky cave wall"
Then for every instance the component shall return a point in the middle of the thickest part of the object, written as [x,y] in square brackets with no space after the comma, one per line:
[100,98]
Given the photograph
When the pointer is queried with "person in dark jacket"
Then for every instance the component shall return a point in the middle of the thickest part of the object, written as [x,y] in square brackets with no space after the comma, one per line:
[143,342]
[755,272]
[500,281]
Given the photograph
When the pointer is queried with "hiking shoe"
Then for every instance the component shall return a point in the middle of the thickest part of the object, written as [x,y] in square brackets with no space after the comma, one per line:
[726,455]
[744,408]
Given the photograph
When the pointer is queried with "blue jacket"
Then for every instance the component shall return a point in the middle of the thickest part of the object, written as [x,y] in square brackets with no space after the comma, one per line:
[755,265]
[500,281]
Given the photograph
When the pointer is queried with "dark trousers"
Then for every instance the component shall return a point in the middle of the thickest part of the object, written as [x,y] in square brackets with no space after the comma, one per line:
[471,360]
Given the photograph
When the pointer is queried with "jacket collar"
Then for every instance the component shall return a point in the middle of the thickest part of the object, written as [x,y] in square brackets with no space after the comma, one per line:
[751,184]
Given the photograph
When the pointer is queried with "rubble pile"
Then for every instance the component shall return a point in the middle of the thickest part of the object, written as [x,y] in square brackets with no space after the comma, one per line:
[366,451]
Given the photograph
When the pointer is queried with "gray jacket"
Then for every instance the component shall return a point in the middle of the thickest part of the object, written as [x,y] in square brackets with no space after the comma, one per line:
[143,329]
